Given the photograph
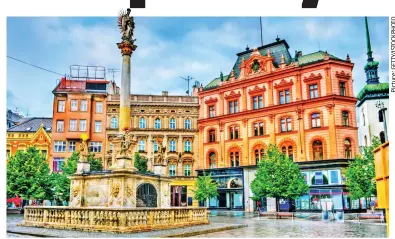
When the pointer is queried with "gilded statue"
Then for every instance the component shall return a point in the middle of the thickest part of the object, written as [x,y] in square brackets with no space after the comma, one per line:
[161,154]
[126,142]
[83,148]
[126,26]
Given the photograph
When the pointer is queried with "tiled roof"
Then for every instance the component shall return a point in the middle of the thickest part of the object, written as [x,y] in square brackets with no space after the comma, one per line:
[314,58]
[381,88]
[32,125]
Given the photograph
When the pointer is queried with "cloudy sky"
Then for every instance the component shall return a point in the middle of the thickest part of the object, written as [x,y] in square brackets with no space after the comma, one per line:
[168,48]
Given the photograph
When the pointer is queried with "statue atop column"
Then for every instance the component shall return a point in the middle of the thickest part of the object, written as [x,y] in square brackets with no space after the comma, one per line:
[160,158]
[83,165]
[126,26]
[126,142]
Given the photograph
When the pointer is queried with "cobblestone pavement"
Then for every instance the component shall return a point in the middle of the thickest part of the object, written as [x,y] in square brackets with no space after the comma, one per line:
[14,219]
[264,227]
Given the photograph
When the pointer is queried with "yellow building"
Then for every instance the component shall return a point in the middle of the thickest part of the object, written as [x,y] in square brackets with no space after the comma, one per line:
[31,132]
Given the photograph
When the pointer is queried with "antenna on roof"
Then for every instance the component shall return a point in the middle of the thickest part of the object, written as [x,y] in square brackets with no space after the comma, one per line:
[187,79]
[113,73]
[260,21]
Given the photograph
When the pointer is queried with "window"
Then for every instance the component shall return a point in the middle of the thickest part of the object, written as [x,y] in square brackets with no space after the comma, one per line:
[363,119]
[74,105]
[381,116]
[142,124]
[345,120]
[234,159]
[97,126]
[172,145]
[172,123]
[259,155]
[61,104]
[187,124]
[157,123]
[211,136]
[318,178]
[72,146]
[382,137]
[8,153]
[258,129]
[257,102]
[234,132]
[286,124]
[84,105]
[44,153]
[342,87]
[95,147]
[212,160]
[317,150]
[187,146]
[60,126]
[347,148]
[288,151]
[114,123]
[313,91]
[73,125]
[99,107]
[155,146]
[187,170]
[211,110]
[334,174]
[111,146]
[315,120]
[141,146]
[366,140]
[172,170]
[284,97]
[233,107]
[57,164]
[82,125]
[60,146]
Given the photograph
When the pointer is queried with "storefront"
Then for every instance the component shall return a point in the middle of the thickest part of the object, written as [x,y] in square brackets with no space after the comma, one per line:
[230,188]
[181,192]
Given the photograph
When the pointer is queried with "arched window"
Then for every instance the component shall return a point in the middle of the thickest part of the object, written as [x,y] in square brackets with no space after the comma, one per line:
[172,123]
[211,135]
[157,123]
[172,145]
[363,119]
[315,120]
[318,152]
[288,151]
[258,129]
[234,132]
[345,119]
[366,140]
[187,146]
[187,124]
[347,148]
[212,160]
[142,123]
[382,137]
[234,159]
[259,155]
[114,123]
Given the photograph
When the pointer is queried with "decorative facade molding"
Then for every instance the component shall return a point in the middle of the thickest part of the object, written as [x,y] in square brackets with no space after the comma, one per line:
[343,75]
[232,95]
[257,90]
[283,83]
[312,77]
[211,100]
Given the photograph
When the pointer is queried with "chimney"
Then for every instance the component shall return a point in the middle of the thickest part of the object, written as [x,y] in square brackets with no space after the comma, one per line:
[165,93]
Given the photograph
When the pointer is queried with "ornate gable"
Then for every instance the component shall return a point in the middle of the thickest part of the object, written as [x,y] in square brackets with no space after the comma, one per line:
[41,136]
[257,90]
[283,83]
[256,64]
[343,75]
[232,95]
[211,100]
[313,77]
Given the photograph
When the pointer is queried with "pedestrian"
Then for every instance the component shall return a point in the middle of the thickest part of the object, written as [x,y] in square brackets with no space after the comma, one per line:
[258,206]
[372,205]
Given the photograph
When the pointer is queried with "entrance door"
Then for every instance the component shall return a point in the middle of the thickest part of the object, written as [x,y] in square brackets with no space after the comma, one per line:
[146,196]
[178,196]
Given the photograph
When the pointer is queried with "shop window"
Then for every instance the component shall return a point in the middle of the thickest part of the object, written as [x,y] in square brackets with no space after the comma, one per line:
[334,176]
[178,196]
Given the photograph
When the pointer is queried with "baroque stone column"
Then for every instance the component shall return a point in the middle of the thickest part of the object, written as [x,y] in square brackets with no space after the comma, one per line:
[127,49]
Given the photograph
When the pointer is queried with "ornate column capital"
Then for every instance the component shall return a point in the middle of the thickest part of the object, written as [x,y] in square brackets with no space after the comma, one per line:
[127,48]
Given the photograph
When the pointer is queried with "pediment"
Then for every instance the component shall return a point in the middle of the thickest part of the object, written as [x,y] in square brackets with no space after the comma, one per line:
[257,90]
[232,95]
[313,77]
[343,75]
[283,83]
[211,100]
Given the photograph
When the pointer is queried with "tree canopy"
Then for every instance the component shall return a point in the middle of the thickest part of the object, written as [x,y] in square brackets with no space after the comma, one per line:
[140,163]
[278,176]
[28,175]
[360,173]
[206,188]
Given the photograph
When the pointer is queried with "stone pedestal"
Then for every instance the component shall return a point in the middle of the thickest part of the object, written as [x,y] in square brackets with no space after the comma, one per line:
[160,169]
[124,163]
[83,167]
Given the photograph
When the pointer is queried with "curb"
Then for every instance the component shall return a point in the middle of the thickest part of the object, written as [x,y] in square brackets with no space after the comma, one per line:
[31,234]
[189,234]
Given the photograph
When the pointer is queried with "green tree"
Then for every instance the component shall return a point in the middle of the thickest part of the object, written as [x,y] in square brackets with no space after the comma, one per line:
[360,173]
[140,163]
[206,188]
[28,175]
[60,183]
[278,177]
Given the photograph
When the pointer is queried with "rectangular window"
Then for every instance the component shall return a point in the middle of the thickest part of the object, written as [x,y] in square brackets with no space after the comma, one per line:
[212,136]
[73,125]
[283,129]
[287,99]
[59,126]
[95,147]
[187,170]
[98,126]
[318,178]
[289,124]
[172,170]
[84,105]
[155,146]
[342,87]
[334,176]
[284,97]
[231,110]
[236,103]
[61,104]
[8,153]
[44,153]
[82,125]
[313,91]
[211,111]
[260,102]
[60,146]
[99,107]
[72,146]
[141,146]
[233,107]
[57,164]
[255,102]
[74,105]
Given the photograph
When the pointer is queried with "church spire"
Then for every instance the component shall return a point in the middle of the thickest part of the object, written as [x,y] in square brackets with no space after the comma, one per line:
[371,66]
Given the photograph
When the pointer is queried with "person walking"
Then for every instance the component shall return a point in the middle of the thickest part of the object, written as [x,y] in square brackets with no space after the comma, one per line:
[372,205]
[258,207]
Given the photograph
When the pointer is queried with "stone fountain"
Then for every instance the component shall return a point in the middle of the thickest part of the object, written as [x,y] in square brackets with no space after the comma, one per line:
[120,199]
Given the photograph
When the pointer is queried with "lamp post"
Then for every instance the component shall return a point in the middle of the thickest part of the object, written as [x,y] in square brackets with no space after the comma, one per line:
[382,109]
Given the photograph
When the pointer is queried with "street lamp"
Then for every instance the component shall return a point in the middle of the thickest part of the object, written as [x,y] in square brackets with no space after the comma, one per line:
[382,109]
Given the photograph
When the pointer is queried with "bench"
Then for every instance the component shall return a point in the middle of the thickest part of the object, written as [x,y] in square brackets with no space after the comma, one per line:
[370,216]
[284,214]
